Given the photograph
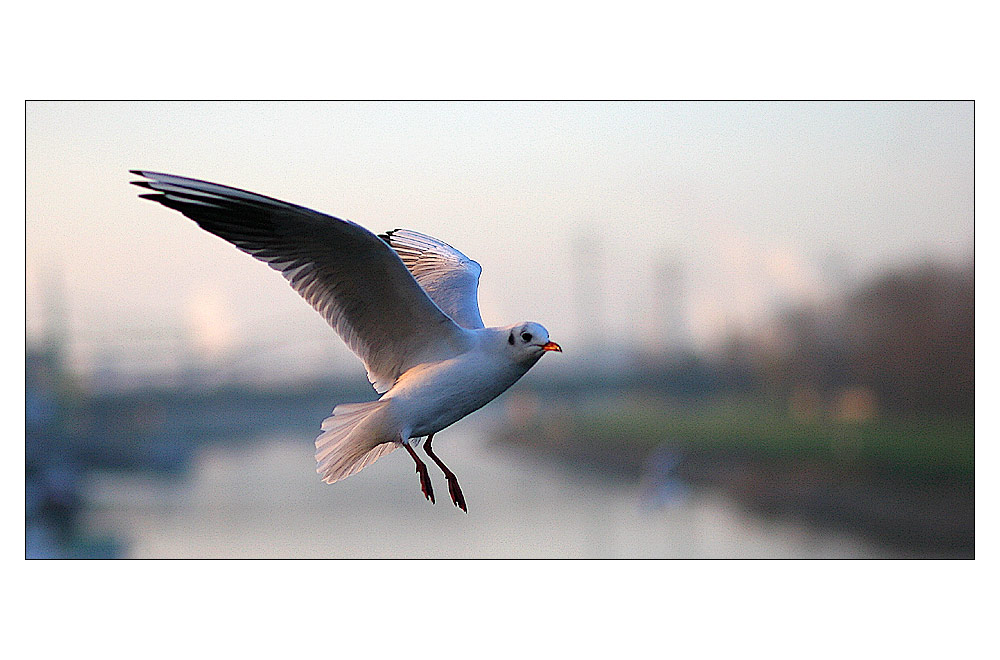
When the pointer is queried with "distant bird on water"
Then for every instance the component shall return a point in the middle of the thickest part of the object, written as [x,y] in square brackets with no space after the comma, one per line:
[404,302]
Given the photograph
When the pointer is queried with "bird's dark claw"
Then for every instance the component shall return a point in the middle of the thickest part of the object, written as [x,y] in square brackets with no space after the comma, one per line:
[425,483]
[456,493]
[425,479]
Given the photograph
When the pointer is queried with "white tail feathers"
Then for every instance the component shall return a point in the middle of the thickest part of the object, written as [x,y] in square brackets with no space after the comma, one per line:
[352,439]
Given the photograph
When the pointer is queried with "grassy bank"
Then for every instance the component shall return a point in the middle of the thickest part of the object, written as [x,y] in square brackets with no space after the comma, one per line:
[910,445]
[906,483]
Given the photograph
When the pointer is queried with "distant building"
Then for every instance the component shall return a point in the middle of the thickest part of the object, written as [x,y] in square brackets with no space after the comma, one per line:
[672,331]
[588,291]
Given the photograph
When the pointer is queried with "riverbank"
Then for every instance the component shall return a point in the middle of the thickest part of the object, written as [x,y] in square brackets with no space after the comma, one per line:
[908,485]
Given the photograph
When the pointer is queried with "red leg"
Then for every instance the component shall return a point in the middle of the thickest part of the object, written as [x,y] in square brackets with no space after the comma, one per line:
[453,488]
[425,479]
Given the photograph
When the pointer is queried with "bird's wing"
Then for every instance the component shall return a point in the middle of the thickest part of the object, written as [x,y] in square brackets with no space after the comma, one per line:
[343,270]
[449,277]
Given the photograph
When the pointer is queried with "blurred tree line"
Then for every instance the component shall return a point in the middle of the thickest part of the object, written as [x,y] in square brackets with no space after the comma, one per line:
[902,343]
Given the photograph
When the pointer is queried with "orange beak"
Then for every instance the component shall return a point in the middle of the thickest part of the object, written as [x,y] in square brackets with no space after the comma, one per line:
[551,346]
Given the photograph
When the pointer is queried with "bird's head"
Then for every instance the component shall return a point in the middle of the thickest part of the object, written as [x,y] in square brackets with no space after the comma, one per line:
[529,341]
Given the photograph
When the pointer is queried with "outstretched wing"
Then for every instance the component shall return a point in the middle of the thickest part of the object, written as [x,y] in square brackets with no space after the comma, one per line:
[449,277]
[343,270]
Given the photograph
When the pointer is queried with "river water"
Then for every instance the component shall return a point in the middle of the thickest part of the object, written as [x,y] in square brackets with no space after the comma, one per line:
[263,499]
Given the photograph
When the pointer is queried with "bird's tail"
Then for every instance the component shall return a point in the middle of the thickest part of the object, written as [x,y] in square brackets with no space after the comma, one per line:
[348,444]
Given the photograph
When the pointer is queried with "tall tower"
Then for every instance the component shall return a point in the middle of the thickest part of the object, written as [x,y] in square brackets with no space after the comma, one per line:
[674,335]
[588,291]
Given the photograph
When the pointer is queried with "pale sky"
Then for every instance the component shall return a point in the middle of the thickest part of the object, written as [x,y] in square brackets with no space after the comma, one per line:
[751,201]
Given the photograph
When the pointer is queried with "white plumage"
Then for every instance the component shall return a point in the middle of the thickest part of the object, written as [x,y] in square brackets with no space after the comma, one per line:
[404,302]
[449,277]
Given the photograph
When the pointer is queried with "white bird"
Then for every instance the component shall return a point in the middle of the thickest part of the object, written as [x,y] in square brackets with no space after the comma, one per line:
[404,302]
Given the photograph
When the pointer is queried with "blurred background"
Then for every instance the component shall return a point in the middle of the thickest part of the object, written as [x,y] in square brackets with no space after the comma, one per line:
[767,312]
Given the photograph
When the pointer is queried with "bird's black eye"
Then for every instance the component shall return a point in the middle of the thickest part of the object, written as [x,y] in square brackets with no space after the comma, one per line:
[510,340]
[526,336]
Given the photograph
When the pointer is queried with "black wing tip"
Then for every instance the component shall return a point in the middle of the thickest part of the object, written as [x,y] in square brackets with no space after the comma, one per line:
[387,236]
[143,173]
[150,174]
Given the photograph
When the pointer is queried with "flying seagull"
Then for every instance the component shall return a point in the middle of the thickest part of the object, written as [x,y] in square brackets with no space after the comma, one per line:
[404,302]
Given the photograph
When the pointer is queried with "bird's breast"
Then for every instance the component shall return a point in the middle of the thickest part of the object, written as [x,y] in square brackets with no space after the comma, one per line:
[430,397]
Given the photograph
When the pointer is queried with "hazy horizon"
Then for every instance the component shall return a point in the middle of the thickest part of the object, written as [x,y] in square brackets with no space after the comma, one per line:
[571,208]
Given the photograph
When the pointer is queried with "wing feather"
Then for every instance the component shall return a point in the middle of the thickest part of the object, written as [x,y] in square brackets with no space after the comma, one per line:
[350,276]
[449,277]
